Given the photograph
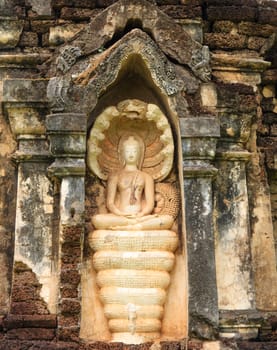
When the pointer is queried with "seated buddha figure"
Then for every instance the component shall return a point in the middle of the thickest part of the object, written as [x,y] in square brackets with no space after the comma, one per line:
[130,193]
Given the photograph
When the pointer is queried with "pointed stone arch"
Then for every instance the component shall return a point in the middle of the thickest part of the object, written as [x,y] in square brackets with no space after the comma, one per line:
[112,60]
[79,69]
[78,88]
[170,37]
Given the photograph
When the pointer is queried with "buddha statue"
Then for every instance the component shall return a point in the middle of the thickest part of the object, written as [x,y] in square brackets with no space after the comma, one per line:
[133,243]
[130,193]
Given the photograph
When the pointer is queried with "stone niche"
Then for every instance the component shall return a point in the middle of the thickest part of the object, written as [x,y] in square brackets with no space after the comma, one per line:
[119,86]
[134,281]
[140,294]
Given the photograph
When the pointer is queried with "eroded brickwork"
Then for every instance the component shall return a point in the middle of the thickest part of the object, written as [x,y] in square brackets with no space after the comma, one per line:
[69,308]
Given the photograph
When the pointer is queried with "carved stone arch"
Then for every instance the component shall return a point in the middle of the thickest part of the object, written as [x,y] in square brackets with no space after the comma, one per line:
[170,37]
[81,84]
[80,68]
[136,56]
[138,43]
[162,28]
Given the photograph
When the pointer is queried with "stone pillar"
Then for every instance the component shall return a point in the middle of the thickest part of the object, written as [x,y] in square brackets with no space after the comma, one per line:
[67,134]
[233,256]
[23,132]
[199,137]
[34,212]
[237,102]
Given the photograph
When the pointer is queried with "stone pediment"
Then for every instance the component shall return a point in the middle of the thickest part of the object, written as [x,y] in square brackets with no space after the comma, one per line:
[83,80]
[134,36]
[136,46]
[117,20]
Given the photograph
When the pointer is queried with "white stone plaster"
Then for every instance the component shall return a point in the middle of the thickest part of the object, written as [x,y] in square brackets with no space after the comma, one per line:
[232,251]
[208,95]
[25,120]
[33,235]
[211,345]
[72,199]
[229,77]
[264,254]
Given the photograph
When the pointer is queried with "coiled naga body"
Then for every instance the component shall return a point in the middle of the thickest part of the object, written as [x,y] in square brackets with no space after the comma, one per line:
[133,242]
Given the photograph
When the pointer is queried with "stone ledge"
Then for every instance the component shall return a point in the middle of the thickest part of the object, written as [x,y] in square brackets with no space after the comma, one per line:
[66,123]
[240,331]
[233,155]
[30,321]
[20,157]
[199,171]
[22,60]
[238,63]
[202,126]
[25,90]
[67,167]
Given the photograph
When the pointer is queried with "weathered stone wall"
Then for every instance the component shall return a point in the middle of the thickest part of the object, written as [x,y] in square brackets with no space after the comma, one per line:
[240,35]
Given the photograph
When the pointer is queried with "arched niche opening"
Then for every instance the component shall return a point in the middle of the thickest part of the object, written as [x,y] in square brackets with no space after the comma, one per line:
[134,83]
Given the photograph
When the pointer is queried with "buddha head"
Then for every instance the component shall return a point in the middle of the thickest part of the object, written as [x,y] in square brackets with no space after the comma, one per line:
[131,150]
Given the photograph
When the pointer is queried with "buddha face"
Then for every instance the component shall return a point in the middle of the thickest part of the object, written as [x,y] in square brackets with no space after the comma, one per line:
[131,151]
